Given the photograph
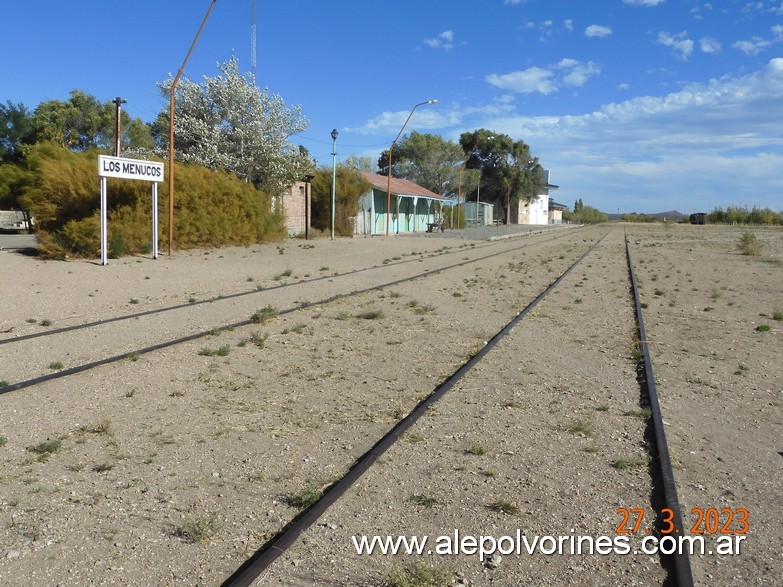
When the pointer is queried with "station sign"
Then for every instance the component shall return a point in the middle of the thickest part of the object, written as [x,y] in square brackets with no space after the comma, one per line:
[129,168]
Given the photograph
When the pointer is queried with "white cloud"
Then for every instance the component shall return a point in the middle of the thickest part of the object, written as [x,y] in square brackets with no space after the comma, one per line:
[444,40]
[529,81]
[682,45]
[753,46]
[577,74]
[679,149]
[539,80]
[569,25]
[709,45]
[644,2]
[597,30]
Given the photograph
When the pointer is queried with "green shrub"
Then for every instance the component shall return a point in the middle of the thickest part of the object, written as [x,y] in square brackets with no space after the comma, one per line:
[211,208]
[749,245]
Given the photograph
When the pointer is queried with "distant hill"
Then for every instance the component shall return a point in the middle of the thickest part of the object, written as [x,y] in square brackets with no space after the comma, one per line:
[670,215]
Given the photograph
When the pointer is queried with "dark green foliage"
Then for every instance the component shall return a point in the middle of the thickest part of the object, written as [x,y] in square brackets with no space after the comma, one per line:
[350,187]
[211,208]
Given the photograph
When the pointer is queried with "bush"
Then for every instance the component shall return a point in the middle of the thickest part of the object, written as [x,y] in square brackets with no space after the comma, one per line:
[211,208]
[749,245]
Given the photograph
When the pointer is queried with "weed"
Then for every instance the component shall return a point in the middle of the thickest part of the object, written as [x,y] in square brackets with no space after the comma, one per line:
[263,315]
[778,315]
[3,440]
[257,478]
[742,368]
[192,300]
[642,414]
[476,449]
[31,320]
[762,328]
[283,275]
[56,366]
[503,507]
[424,501]
[197,529]
[419,309]
[46,322]
[134,356]
[659,292]
[371,315]
[637,351]
[414,437]
[177,393]
[324,268]
[130,393]
[45,449]
[749,245]
[4,383]
[578,301]
[259,340]
[304,498]
[103,467]
[708,309]
[101,427]
[644,305]
[603,408]
[581,427]
[133,301]
[417,575]
[632,463]
[592,448]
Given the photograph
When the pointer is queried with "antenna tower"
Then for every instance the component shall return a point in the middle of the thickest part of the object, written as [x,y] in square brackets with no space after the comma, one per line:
[253,37]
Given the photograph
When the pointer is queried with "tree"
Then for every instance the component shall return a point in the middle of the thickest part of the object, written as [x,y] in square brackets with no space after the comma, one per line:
[509,173]
[229,123]
[427,160]
[350,187]
[84,123]
[16,129]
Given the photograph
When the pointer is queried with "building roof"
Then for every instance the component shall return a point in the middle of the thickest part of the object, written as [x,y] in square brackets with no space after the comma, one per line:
[402,187]
[553,204]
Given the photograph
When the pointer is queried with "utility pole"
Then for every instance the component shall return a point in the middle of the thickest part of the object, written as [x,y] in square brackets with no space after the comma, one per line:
[118,102]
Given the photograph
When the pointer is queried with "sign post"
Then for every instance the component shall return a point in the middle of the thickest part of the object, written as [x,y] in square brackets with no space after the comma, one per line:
[151,171]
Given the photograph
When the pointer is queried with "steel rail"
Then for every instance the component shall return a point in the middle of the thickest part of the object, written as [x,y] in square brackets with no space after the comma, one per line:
[278,544]
[680,560]
[195,336]
[143,313]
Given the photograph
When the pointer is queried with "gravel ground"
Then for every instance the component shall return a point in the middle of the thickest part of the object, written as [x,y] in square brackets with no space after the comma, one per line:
[173,468]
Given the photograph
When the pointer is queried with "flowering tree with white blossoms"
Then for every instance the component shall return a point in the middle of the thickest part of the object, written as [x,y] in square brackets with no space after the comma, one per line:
[229,123]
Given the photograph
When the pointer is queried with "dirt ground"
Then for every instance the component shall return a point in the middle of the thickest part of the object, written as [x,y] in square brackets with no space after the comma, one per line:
[172,467]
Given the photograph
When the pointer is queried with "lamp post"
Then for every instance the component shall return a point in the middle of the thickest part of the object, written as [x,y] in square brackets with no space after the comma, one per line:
[388,178]
[334,172]
[171,128]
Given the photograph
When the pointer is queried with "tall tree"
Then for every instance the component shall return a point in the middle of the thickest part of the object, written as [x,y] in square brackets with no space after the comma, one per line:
[16,129]
[509,173]
[229,123]
[426,159]
[350,186]
[82,122]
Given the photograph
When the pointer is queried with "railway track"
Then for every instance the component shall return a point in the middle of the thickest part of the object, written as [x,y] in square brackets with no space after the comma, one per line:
[421,404]
[83,342]
[660,466]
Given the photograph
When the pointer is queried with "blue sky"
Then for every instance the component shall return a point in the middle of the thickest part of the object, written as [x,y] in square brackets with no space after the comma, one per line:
[634,105]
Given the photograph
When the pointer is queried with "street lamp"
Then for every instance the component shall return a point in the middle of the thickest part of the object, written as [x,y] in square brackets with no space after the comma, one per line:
[334,172]
[171,128]
[388,178]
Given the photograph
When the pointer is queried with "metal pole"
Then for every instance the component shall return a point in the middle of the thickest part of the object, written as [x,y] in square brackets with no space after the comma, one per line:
[334,173]
[104,232]
[117,103]
[388,178]
[171,129]
[478,198]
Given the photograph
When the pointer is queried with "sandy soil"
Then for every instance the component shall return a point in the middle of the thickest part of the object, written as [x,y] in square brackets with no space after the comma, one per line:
[174,466]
